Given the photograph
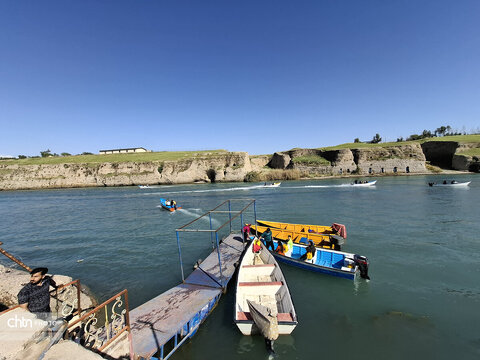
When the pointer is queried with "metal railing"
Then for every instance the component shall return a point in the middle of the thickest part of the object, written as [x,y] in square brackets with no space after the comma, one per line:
[101,326]
[214,232]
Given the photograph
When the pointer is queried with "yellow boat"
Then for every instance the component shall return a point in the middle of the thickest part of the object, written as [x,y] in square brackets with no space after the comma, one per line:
[297,227]
[324,241]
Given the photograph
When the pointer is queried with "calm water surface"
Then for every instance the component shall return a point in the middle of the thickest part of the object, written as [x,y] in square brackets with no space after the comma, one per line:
[423,244]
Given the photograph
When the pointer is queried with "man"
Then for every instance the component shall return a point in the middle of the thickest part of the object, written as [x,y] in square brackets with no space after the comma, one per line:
[310,252]
[246,231]
[267,236]
[35,296]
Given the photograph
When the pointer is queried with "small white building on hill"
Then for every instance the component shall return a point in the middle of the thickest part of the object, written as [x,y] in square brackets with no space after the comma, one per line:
[124,151]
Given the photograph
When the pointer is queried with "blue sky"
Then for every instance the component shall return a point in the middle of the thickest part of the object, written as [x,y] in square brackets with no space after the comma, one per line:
[255,76]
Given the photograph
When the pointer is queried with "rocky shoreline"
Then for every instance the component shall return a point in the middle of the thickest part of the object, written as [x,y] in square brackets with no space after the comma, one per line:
[411,159]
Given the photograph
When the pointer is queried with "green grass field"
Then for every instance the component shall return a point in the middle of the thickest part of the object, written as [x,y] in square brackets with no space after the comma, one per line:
[117,158]
[470,152]
[458,138]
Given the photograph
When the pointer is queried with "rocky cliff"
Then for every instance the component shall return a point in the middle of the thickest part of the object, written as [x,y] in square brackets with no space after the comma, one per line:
[372,160]
[235,166]
[209,168]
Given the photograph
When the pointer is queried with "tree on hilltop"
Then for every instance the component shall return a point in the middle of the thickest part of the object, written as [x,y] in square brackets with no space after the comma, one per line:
[376,139]
[46,153]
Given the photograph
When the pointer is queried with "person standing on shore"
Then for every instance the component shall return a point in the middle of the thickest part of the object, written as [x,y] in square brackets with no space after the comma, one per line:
[267,236]
[35,296]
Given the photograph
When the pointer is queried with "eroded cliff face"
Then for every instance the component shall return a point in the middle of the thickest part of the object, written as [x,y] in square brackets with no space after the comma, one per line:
[225,167]
[448,154]
[375,160]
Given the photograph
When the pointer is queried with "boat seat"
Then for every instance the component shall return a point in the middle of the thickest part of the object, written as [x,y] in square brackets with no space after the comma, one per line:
[258,266]
[338,260]
[241,315]
[325,259]
[303,240]
[260,283]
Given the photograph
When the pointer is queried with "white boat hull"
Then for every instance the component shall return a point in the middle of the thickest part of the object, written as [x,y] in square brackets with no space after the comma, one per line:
[370,183]
[260,280]
[251,329]
[464,184]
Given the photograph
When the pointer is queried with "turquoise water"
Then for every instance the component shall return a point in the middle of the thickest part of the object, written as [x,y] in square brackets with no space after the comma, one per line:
[423,244]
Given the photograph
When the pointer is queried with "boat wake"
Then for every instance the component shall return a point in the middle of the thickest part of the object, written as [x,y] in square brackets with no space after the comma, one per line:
[196,213]
[239,188]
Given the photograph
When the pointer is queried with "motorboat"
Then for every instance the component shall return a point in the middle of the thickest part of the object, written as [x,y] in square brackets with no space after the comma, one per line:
[331,262]
[276,184]
[169,205]
[365,184]
[451,184]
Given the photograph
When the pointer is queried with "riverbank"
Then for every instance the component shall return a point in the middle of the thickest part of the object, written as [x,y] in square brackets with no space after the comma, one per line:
[165,168]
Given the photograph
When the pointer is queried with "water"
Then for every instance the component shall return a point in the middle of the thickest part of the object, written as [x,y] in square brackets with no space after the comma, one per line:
[422,243]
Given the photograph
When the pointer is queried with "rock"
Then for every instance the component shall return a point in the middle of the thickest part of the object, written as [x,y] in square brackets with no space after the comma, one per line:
[19,329]
[279,161]
[71,351]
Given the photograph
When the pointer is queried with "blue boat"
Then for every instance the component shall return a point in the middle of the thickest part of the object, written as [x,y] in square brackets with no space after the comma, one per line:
[169,205]
[331,262]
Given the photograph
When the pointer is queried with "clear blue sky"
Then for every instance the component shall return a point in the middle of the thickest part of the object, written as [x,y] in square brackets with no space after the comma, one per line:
[256,76]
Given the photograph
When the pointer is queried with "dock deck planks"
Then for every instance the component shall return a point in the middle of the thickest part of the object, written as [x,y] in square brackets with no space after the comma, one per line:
[156,321]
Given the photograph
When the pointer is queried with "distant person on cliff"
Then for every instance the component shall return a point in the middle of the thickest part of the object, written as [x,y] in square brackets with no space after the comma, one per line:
[246,231]
[35,296]
[267,236]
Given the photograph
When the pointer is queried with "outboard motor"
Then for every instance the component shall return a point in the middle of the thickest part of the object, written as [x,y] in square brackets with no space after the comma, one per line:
[362,263]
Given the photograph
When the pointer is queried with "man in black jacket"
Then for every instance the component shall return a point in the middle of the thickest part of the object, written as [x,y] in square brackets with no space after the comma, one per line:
[35,296]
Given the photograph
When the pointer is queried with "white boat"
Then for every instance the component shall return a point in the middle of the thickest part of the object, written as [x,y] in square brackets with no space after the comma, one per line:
[144,186]
[369,183]
[277,184]
[451,184]
[261,282]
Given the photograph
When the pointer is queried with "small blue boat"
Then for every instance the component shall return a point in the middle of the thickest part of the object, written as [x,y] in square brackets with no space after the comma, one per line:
[331,262]
[169,205]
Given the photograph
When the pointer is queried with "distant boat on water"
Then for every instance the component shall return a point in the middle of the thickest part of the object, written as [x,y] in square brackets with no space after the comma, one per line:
[452,183]
[368,183]
[277,184]
[144,186]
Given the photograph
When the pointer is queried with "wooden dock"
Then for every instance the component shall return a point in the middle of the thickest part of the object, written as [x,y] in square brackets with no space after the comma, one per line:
[162,324]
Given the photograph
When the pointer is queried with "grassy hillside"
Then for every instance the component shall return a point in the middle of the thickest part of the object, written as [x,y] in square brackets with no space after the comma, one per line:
[457,138]
[116,158]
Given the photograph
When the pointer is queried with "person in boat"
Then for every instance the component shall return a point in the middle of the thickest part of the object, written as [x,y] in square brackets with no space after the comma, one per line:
[310,252]
[444,181]
[281,248]
[257,246]
[35,296]
[289,243]
[267,236]
[454,182]
[174,204]
[246,231]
